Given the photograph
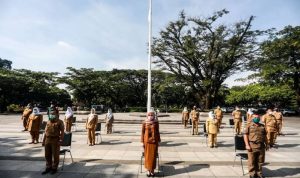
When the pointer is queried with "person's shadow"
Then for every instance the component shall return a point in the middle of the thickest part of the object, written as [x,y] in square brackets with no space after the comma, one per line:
[282,172]
[169,144]
[170,170]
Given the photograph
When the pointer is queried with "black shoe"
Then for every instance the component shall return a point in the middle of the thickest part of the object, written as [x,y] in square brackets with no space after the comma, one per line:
[47,170]
[54,171]
[211,146]
[148,174]
[152,174]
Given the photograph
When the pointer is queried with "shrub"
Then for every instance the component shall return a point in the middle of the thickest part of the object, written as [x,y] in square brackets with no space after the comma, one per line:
[14,108]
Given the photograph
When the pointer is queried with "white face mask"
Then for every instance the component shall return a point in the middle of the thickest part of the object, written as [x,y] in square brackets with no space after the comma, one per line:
[270,112]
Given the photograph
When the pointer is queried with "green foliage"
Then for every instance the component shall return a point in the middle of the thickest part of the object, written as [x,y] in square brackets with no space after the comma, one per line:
[203,54]
[279,63]
[14,108]
[5,64]
[124,90]
[24,86]
[254,94]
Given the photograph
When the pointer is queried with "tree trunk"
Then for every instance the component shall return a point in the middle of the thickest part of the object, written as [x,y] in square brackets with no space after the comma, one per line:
[297,87]
[208,100]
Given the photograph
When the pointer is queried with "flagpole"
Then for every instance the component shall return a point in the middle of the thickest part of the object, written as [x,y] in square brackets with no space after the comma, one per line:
[149,55]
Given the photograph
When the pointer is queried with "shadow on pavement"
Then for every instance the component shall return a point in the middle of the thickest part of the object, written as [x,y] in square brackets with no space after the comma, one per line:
[287,145]
[113,143]
[167,144]
[281,172]
[170,170]
[15,145]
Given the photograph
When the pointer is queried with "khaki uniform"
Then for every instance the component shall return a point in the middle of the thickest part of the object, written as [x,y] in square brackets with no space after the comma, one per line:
[271,128]
[257,141]
[53,133]
[278,116]
[68,123]
[185,118]
[219,116]
[249,118]
[34,123]
[237,116]
[109,124]
[25,116]
[195,120]
[91,127]
[212,127]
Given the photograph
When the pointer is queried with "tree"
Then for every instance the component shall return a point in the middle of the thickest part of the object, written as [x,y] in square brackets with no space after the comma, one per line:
[20,86]
[279,63]
[202,54]
[259,93]
[5,64]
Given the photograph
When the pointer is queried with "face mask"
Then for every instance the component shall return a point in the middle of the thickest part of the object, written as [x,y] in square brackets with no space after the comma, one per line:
[256,120]
[270,112]
[151,118]
[51,117]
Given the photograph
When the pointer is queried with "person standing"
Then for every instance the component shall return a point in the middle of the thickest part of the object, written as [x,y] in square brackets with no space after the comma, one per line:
[219,116]
[26,113]
[54,134]
[185,116]
[271,127]
[150,139]
[109,119]
[249,116]
[212,127]
[90,125]
[237,117]
[255,142]
[195,120]
[34,122]
[279,118]
[68,119]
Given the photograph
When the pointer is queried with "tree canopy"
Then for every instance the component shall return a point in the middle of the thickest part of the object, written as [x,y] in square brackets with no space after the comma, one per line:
[279,62]
[203,54]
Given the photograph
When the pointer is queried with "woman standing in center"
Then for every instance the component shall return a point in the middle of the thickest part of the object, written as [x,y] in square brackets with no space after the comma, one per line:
[91,123]
[150,138]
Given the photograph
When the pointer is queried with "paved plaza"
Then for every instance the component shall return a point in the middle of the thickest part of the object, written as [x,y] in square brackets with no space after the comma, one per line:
[119,154]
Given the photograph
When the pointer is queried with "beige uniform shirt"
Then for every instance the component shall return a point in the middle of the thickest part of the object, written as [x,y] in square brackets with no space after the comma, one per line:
[212,126]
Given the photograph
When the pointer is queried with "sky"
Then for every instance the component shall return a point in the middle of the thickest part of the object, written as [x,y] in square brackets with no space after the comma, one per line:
[50,35]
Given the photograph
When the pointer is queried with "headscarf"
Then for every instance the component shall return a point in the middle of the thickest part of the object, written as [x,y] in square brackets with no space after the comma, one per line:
[29,106]
[211,115]
[92,114]
[250,111]
[69,112]
[218,107]
[185,109]
[36,111]
[151,117]
[109,114]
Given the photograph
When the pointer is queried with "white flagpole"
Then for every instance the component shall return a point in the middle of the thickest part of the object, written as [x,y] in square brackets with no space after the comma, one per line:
[149,55]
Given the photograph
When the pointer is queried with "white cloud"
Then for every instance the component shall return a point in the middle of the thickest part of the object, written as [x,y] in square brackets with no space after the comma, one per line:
[51,35]
[65,45]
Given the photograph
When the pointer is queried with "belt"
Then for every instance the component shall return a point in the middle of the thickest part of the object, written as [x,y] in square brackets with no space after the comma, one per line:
[256,142]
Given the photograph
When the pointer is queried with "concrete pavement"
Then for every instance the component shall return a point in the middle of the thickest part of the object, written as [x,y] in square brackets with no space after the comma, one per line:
[119,154]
